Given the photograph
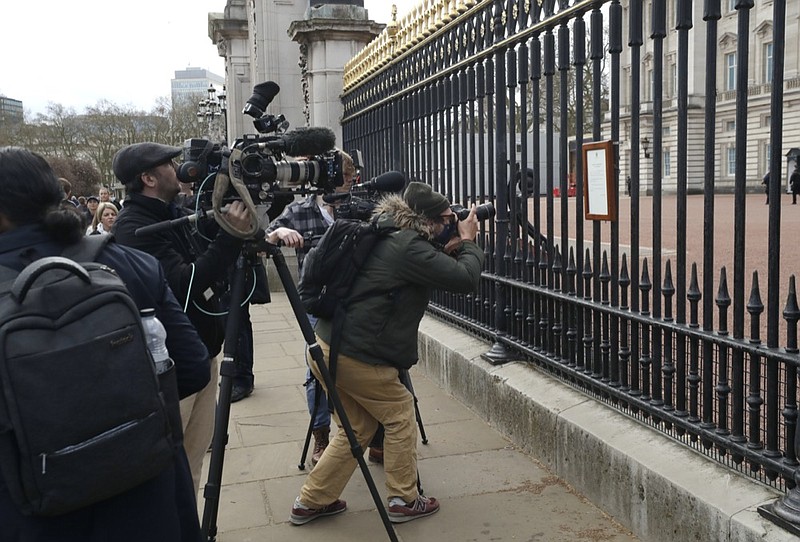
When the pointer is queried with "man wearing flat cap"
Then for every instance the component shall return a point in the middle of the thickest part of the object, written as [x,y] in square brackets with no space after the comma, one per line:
[389,296]
[196,270]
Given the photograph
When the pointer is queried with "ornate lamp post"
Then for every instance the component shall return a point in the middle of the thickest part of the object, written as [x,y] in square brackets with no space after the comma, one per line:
[212,108]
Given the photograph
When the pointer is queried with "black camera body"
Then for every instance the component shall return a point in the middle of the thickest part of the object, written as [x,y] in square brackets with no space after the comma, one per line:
[357,208]
[301,161]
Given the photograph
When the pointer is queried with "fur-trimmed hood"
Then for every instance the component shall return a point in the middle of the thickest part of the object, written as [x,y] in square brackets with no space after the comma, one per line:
[393,211]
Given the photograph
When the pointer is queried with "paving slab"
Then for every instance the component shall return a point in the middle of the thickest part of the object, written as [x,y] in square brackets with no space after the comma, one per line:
[489,488]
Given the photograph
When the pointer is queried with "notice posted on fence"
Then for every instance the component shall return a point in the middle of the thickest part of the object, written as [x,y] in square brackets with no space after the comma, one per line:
[598,181]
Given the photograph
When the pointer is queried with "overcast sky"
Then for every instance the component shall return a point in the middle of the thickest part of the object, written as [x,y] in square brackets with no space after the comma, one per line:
[77,52]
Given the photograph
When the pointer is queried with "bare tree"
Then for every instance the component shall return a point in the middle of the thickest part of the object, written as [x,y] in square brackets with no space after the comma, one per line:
[85,178]
[95,135]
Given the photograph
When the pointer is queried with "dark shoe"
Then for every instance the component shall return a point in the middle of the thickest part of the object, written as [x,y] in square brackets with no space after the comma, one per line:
[421,507]
[321,440]
[240,392]
[302,515]
[376,454]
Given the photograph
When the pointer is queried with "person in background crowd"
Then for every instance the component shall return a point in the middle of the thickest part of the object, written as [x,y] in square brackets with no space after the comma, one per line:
[67,187]
[91,208]
[103,219]
[105,197]
[794,184]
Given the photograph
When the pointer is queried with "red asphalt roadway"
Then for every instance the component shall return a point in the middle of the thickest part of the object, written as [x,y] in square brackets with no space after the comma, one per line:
[756,240]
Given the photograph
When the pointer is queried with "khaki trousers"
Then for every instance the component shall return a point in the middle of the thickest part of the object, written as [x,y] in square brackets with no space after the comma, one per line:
[197,415]
[369,394]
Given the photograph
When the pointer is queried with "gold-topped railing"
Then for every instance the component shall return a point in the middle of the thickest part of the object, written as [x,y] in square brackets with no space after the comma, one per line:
[400,36]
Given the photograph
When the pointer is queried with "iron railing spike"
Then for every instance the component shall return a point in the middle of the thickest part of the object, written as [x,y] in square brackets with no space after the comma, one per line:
[694,293]
[723,299]
[791,312]
[605,273]
[624,276]
[644,282]
[754,304]
[668,288]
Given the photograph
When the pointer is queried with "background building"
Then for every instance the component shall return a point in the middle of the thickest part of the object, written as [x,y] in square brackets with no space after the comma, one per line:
[192,84]
[759,86]
[10,110]
[254,38]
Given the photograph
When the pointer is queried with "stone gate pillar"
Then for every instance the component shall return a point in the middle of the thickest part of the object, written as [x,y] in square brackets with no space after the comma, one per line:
[329,36]
[229,32]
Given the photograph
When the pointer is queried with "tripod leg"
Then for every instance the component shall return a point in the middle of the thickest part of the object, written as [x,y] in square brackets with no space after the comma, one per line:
[227,370]
[333,397]
[405,378]
[317,395]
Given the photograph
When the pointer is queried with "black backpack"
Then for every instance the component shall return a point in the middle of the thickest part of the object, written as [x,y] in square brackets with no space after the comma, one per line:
[81,415]
[330,269]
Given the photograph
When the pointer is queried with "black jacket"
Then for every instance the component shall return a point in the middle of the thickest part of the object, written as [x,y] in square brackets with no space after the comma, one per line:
[189,261]
[163,508]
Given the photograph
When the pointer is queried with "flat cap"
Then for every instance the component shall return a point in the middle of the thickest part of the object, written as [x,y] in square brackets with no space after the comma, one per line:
[135,159]
[424,201]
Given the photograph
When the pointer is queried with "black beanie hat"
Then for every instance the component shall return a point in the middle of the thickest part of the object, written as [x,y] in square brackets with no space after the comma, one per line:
[424,201]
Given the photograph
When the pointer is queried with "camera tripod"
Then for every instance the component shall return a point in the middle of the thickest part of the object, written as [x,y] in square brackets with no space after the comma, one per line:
[244,264]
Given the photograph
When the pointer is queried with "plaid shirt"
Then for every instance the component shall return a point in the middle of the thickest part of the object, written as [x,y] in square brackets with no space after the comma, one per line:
[305,217]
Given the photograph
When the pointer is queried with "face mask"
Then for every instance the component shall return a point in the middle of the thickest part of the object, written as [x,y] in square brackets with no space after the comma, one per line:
[447,233]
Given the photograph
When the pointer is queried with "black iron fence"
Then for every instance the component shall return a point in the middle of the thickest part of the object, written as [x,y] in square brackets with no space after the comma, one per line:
[492,101]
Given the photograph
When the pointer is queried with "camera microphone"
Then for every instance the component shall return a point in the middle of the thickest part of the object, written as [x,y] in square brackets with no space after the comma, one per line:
[391,181]
[307,141]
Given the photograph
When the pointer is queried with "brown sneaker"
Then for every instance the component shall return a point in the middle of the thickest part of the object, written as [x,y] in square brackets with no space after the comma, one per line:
[321,441]
[376,454]
[421,507]
[302,515]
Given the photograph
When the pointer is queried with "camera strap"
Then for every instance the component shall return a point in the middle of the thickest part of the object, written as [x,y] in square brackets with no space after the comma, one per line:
[223,181]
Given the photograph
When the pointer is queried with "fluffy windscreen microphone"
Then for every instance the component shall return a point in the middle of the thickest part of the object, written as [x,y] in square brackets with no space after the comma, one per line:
[307,141]
[391,181]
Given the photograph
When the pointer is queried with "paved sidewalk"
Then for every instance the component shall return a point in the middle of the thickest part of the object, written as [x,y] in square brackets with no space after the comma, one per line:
[489,490]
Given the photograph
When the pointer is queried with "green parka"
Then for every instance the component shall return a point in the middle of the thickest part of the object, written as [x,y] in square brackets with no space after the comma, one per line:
[393,288]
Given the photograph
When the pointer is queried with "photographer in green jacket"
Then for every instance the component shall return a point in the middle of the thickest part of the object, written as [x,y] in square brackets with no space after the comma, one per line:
[431,249]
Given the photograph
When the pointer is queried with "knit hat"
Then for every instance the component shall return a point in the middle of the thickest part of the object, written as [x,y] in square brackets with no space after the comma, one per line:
[424,201]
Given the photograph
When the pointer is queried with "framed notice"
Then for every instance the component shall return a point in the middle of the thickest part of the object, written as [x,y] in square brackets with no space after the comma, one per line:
[598,181]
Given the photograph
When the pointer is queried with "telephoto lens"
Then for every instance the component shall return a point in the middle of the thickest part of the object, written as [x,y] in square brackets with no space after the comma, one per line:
[484,211]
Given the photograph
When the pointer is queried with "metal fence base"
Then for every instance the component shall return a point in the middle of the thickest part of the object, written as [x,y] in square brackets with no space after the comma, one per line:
[769,511]
[498,354]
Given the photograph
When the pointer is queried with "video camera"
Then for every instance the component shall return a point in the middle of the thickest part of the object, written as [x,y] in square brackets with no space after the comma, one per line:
[259,163]
[360,202]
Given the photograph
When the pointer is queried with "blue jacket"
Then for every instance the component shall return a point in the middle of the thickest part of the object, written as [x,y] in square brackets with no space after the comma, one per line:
[164,508]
